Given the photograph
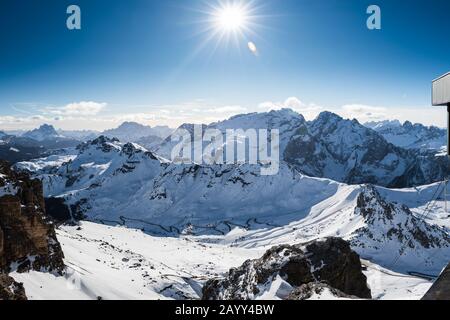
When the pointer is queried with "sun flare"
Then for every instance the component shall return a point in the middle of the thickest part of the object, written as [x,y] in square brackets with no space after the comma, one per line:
[231,24]
[231,18]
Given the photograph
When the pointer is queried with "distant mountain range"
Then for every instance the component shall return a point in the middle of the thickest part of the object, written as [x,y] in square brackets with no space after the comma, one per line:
[144,135]
[342,150]
[132,132]
[25,145]
[43,133]
[411,136]
[384,153]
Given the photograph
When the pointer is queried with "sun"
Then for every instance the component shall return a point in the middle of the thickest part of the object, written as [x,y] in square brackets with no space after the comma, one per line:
[232,17]
[230,24]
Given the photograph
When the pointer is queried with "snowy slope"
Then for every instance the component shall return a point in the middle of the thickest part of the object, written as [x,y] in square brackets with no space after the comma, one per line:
[121,263]
[391,235]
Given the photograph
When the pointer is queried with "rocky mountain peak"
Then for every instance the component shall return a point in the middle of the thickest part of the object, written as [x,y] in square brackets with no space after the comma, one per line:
[394,225]
[408,125]
[102,140]
[44,132]
[131,148]
[371,205]
[102,143]
[327,118]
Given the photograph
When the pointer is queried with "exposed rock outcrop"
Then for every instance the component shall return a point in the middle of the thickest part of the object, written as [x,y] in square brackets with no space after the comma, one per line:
[10,289]
[330,261]
[27,237]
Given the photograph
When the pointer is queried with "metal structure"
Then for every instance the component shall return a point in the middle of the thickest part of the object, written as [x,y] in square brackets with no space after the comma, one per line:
[441,97]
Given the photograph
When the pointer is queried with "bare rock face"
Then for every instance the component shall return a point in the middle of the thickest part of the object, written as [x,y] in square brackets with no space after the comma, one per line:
[330,261]
[10,289]
[27,237]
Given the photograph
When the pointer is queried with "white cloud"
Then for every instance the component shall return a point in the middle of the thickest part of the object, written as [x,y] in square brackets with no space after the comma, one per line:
[309,111]
[228,109]
[294,103]
[87,115]
[291,103]
[83,108]
[363,112]
[22,122]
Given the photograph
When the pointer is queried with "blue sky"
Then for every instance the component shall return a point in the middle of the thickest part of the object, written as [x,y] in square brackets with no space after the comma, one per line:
[148,61]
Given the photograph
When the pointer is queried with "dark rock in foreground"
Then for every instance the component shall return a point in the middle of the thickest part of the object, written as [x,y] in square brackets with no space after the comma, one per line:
[441,288]
[56,209]
[330,261]
[27,237]
[10,289]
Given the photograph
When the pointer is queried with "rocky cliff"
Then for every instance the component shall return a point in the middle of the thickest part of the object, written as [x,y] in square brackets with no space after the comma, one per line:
[27,238]
[10,289]
[299,269]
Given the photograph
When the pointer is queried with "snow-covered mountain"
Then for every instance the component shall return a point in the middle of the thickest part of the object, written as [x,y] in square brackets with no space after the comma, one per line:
[344,150]
[214,217]
[411,136]
[44,132]
[286,121]
[111,182]
[47,137]
[133,132]
[333,147]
